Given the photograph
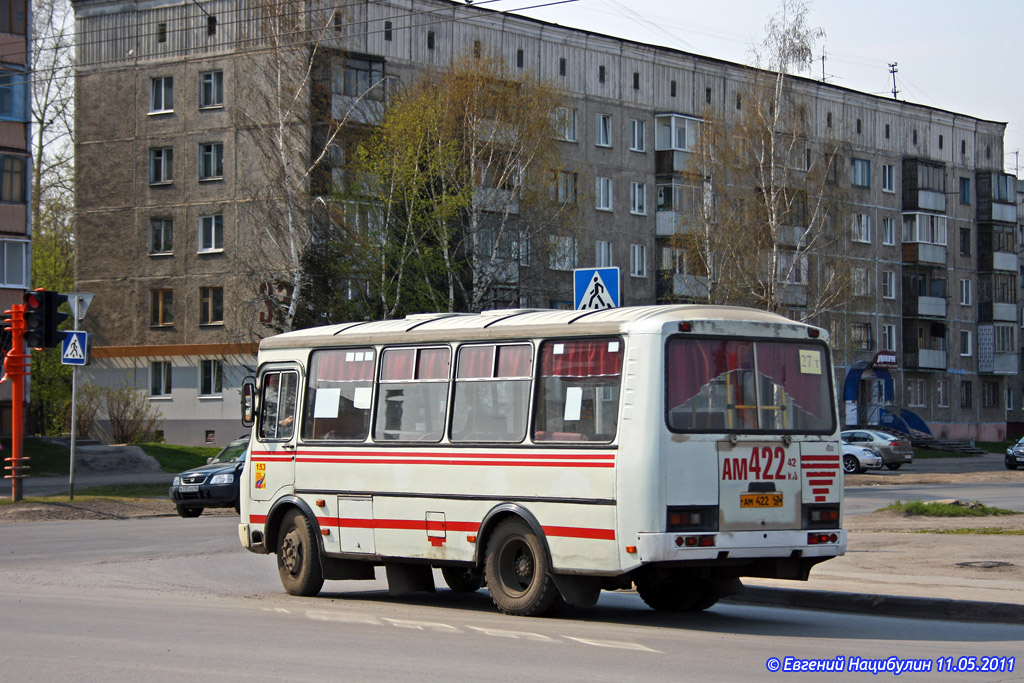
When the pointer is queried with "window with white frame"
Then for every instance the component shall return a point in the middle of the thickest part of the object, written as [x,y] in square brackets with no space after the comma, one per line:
[211,377]
[676,132]
[160,378]
[888,284]
[565,123]
[604,194]
[942,393]
[888,178]
[792,268]
[965,292]
[915,392]
[637,135]
[638,260]
[211,89]
[861,176]
[566,187]
[965,343]
[638,198]
[15,258]
[161,235]
[161,165]
[888,337]
[861,283]
[603,254]
[888,231]
[926,228]
[861,228]
[211,160]
[1005,338]
[211,233]
[562,253]
[603,130]
[161,95]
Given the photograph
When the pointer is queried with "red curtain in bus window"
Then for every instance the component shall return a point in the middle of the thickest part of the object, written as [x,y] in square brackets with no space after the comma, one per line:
[344,365]
[781,362]
[434,364]
[397,364]
[515,360]
[476,362]
[693,363]
[581,358]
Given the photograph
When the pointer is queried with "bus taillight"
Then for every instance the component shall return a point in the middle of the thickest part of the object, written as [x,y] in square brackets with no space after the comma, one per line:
[695,541]
[817,539]
[692,518]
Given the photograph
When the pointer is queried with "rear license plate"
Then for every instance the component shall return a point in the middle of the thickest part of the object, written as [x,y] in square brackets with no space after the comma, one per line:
[191,488]
[760,500]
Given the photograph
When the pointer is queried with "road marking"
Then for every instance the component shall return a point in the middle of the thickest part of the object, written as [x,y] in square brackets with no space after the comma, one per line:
[617,644]
[515,635]
[343,617]
[422,625]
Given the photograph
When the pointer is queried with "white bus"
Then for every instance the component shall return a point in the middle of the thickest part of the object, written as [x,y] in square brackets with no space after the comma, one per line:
[547,454]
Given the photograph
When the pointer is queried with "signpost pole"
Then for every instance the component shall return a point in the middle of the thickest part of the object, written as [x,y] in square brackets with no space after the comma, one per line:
[79,303]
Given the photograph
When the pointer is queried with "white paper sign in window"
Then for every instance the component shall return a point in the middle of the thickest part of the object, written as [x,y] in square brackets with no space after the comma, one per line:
[573,403]
[327,401]
[361,398]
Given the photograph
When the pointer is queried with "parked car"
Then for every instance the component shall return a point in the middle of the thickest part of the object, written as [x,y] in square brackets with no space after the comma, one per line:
[895,451]
[214,485]
[857,459]
[1015,455]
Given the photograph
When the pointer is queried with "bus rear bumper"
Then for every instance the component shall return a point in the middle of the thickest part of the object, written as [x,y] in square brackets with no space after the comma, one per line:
[739,545]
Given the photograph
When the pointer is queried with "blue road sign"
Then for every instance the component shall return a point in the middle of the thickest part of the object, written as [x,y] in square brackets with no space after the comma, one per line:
[596,288]
[74,349]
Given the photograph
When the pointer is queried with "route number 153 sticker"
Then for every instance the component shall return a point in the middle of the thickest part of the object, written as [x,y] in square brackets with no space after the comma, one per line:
[259,474]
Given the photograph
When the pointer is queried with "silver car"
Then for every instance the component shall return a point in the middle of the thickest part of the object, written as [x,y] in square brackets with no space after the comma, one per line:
[894,450]
[857,459]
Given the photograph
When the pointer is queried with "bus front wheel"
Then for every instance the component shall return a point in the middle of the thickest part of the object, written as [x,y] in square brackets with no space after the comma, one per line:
[298,557]
[517,571]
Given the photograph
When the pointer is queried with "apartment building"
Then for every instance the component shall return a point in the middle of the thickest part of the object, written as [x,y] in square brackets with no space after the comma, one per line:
[167,178]
[15,168]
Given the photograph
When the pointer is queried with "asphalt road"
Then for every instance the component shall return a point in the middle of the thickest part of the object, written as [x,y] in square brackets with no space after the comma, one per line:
[175,599]
[861,499]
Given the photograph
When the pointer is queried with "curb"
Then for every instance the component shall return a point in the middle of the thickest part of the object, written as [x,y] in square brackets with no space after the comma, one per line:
[885,605]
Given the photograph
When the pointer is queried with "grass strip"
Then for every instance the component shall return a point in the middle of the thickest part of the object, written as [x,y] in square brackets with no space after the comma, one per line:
[942,509]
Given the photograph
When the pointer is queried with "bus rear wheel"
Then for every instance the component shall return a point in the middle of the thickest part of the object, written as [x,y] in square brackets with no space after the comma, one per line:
[298,556]
[517,571]
[677,593]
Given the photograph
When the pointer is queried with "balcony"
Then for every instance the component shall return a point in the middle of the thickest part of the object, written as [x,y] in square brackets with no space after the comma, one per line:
[924,306]
[668,223]
[1004,364]
[925,359]
[1005,213]
[924,254]
[690,286]
[1004,261]
[1004,313]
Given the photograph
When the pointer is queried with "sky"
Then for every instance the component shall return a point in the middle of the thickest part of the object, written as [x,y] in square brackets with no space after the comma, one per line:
[961,57]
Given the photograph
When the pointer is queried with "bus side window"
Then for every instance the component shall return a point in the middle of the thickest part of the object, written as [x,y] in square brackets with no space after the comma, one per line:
[412,395]
[277,405]
[338,395]
[492,393]
[578,390]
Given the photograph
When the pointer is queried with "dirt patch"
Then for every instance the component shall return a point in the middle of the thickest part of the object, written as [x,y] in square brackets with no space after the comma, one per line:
[891,520]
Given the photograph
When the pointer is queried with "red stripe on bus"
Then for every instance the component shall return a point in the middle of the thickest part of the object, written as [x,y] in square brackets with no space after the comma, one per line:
[819,490]
[580,532]
[256,457]
[485,463]
[423,525]
[820,482]
[305,455]
[819,499]
[821,474]
[258,519]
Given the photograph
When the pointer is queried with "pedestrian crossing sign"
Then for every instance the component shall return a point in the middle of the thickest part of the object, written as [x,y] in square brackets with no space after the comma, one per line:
[74,350]
[596,288]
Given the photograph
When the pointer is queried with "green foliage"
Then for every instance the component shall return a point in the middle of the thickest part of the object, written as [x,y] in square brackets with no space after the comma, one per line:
[178,458]
[941,509]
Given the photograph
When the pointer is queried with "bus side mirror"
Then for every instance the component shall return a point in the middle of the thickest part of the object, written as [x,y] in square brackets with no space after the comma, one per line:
[249,401]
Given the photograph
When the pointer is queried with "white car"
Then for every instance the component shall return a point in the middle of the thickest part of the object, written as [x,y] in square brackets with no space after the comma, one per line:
[856,459]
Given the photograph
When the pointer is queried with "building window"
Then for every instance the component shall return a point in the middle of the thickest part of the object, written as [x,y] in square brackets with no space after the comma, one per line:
[161,95]
[915,392]
[14,260]
[1009,399]
[12,179]
[675,132]
[161,32]
[888,337]
[477,50]
[636,80]
[211,89]
[888,285]
[160,378]
[888,231]
[965,190]
[563,253]
[638,260]
[888,178]
[965,292]
[792,267]
[637,135]
[603,130]
[520,58]
[566,123]
[887,131]
[561,66]
[966,393]
[861,173]
[965,241]
[859,127]
[362,76]
[211,305]
[211,25]
[828,119]
[211,233]
[161,235]
[1005,339]
[387,31]
[604,194]
[161,307]
[566,187]
[861,228]
[861,284]
[707,95]
[13,96]
[638,198]
[965,343]
[989,394]
[12,17]
[600,74]
[211,161]
[963,146]
[1003,188]
[926,228]
[603,254]
[430,40]
[941,141]
[161,165]
[914,136]
[942,393]
[863,337]
[211,377]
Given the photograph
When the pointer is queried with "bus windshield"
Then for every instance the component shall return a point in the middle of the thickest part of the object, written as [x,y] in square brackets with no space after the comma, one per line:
[743,386]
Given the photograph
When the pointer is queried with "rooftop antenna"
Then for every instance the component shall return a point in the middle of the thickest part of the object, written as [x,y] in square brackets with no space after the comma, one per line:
[893,70]
[822,64]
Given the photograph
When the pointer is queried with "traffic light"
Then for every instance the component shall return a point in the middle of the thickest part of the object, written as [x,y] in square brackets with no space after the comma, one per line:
[42,318]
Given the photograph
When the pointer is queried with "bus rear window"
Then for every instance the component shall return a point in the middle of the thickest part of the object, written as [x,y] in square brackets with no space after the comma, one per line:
[720,385]
[578,390]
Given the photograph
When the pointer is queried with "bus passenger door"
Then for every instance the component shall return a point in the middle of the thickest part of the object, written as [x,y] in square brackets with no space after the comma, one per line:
[273,455]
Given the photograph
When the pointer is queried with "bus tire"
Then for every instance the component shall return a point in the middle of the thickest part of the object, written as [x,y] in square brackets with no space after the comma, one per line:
[668,593]
[298,556]
[517,571]
[188,512]
[462,579]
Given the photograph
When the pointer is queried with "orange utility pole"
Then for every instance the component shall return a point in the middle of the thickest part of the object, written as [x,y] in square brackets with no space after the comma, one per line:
[16,367]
